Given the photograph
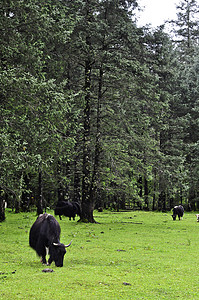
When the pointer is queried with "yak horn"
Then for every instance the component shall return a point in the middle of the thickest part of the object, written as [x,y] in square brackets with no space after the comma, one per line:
[68,245]
[56,244]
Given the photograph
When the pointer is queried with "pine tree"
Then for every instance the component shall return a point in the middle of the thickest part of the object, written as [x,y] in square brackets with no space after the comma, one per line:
[186,26]
[34,98]
[186,36]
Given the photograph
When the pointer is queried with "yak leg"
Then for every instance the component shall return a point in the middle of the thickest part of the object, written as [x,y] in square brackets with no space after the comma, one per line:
[60,217]
[50,261]
[43,257]
[41,251]
[43,260]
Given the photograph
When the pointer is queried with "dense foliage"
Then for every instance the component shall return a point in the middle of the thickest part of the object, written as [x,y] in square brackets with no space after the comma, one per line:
[96,109]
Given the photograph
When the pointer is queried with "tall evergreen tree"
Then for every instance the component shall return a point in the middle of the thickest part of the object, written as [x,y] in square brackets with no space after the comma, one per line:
[34,97]
[187,33]
[186,26]
[98,44]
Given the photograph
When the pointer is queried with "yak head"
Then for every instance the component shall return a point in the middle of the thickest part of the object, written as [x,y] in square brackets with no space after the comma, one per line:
[57,252]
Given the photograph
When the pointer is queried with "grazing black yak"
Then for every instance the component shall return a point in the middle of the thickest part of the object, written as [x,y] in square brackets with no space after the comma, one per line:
[178,211]
[44,237]
[68,209]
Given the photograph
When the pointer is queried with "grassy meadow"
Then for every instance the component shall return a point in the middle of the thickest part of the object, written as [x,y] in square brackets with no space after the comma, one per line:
[128,255]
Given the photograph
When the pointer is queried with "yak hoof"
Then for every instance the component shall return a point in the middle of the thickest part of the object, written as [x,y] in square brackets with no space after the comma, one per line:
[43,261]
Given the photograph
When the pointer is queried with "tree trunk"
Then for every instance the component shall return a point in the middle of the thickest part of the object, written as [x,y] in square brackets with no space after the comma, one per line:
[86,145]
[40,196]
[87,212]
[77,179]
[95,175]
[17,206]
[2,207]
[87,204]
[155,189]
[140,186]
[146,193]
[162,201]
[25,197]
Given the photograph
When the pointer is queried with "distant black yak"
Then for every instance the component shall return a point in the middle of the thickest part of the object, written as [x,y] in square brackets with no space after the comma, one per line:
[44,237]
[68,209]
[178,211]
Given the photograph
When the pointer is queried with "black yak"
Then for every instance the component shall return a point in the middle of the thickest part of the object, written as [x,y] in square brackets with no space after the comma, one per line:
[44,237]
[68,209]
[178,211]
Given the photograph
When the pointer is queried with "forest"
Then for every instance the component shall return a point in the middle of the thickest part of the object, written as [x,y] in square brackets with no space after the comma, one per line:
[96,109]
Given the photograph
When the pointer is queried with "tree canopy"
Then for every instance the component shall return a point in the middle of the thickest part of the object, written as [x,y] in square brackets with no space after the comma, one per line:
[96,109]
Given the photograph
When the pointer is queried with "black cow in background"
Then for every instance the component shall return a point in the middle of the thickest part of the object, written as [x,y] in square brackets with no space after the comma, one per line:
[68,209]
[178,211]
[44,237]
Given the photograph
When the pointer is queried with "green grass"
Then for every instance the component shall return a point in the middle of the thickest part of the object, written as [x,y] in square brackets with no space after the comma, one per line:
[129,255]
